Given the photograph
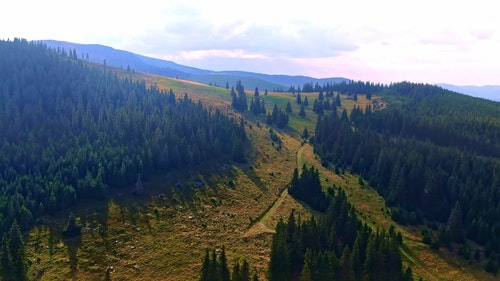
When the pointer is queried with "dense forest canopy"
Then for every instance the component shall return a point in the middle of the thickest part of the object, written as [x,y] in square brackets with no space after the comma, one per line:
[433,154]
[71,129]
[335,246]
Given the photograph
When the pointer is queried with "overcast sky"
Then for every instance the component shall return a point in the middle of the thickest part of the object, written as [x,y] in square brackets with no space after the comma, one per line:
[438,41]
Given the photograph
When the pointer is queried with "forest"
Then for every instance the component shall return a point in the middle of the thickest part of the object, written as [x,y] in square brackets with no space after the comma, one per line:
[434,155]
[73,129]
[336,246]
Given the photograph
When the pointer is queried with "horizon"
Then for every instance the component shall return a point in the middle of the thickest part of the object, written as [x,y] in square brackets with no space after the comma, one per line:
[383,42]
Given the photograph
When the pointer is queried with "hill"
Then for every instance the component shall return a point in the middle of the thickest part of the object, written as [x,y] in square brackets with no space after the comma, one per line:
[200,188]
[491,92]
[123,59]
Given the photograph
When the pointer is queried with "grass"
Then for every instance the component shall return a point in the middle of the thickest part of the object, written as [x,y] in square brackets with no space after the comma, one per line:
[146,238]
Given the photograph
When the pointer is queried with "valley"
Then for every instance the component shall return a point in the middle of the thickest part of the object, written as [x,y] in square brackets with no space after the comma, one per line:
[112,174]
[238,207]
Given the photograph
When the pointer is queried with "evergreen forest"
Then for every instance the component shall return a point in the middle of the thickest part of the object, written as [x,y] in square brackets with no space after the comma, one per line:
[278,204]
[434,155]
[72,130]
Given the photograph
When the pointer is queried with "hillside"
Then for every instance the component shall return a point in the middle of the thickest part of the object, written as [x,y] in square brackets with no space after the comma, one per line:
[213,177]
[123,59]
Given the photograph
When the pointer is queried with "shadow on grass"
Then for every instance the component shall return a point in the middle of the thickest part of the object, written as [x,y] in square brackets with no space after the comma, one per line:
[73,244]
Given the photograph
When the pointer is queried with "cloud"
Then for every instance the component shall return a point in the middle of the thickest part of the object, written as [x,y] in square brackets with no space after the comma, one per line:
[386,39]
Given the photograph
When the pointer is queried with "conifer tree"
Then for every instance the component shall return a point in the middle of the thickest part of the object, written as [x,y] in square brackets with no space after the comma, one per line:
[236,275]
[245,271]
[71,228]
[455,224]
[205,268]
[223,270]
[6,265]
[305,133]
[255,277]
[302,112]
[306,274]
[299,99]
[15,246]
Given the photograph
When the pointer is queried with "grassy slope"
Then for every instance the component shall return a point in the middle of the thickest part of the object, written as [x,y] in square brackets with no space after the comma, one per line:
[150,239]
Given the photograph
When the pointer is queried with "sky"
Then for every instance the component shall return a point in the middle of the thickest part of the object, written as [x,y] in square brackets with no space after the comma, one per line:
[428,41]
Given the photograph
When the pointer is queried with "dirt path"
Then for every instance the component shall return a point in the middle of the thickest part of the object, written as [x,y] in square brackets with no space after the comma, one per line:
[267,222]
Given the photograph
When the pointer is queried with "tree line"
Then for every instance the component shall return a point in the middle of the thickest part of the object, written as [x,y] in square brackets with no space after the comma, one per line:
[335,246]
[432,154]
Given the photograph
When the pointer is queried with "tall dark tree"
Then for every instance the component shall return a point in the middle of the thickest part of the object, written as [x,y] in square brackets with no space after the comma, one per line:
[13,258]
[455,224]
[71,228]
[256,93]
[302,112]
[288,108]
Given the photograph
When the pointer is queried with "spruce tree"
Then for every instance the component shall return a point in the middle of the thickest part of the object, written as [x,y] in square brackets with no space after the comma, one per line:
[302,112]
[6,265]
[223,270]
[306,274]
[245,271]
[205,268]
[455,224]
[236,275]
[15,245]
[71,228]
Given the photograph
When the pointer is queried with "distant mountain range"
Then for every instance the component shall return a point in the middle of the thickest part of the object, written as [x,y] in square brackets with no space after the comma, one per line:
[251,80]
[491,92]
[120,58]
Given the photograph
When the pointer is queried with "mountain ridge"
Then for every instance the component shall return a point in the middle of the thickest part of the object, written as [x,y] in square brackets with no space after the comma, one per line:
[121,58]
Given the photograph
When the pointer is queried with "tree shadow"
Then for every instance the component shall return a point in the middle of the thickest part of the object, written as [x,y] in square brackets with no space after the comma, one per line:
[73,244]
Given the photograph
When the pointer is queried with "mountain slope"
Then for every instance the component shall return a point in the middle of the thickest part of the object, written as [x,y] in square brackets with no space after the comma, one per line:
[119,58]
[491,92]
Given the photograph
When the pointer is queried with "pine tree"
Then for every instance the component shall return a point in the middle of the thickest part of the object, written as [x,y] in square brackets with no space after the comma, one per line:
[255,277]
[305,133]
[205,268]
[71,228]
[223,270]
[245,271]
[6,265]
[279,264]
[15,249]
[455,224]
[302,112]
[337,100]
[139,189]
[306,274]
[299,99]
[236,275]
[288,108]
